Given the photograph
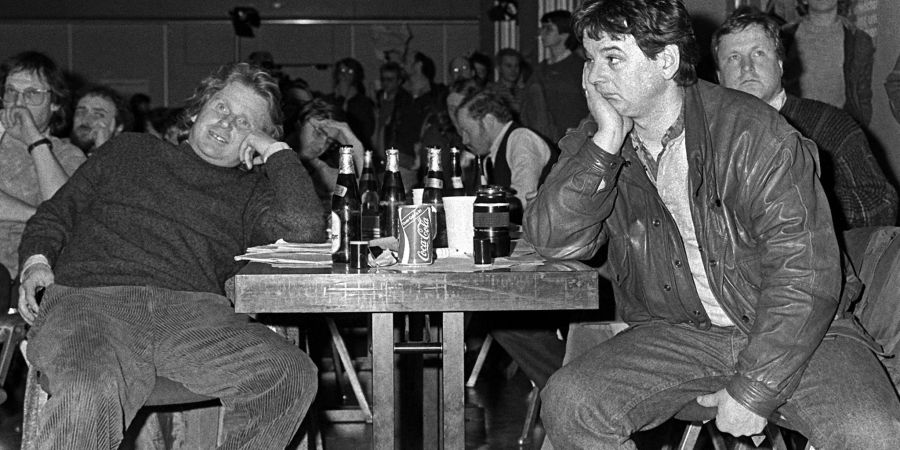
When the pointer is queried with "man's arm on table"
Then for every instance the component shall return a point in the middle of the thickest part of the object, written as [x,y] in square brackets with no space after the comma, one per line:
[566,219]
[286,207]
[800,274]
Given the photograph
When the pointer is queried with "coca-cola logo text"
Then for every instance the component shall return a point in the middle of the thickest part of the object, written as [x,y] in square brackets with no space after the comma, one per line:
[423,229]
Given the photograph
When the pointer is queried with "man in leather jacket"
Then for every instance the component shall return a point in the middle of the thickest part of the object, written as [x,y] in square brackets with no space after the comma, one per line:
[720,238]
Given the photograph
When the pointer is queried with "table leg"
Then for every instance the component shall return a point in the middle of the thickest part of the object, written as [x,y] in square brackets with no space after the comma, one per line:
[453,378]
[383,381]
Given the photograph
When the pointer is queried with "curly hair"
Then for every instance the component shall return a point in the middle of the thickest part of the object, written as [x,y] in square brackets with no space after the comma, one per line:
[254,77]
[45,68]
[654,24]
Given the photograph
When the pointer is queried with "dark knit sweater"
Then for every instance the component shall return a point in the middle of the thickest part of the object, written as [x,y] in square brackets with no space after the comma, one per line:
[858,191]
[144,213]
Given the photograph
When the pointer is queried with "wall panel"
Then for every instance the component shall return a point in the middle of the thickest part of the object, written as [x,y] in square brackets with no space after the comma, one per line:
[216,9]
[50,39]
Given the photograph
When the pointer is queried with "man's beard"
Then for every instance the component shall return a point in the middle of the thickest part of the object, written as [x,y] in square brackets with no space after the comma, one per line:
[81,137]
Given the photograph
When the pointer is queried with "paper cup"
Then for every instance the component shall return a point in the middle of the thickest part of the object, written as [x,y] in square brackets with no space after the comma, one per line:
[459,223]
[417,196]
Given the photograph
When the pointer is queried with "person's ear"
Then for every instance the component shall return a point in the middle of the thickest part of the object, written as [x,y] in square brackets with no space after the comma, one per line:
[118,129]
[668,60]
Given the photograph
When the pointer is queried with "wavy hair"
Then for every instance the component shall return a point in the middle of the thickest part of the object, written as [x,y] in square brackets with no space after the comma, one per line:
[654,24]
[254,77]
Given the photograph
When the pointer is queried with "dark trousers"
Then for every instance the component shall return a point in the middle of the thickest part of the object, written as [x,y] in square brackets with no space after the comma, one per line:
[645,375]
[101,350]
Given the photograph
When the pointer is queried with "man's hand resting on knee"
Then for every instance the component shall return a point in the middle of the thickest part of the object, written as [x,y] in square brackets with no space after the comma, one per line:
[34,277]
[731,416]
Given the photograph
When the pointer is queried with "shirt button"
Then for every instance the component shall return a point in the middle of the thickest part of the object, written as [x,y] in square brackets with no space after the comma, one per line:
[667,287]
[745,319]
[656,222]
[696,312]
[678,263]
[713,263]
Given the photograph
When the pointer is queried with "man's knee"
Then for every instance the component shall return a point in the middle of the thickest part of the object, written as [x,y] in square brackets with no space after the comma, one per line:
[92,390]
[295,374]
[564,396]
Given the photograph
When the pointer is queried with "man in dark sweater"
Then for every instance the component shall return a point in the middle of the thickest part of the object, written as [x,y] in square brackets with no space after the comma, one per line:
[134,252]
[749,55]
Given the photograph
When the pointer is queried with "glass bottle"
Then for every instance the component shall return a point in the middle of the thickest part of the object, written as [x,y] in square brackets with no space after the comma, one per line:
[392,194]
[370,218]
[434,195]
[457,188]
[481,180]
[345,208]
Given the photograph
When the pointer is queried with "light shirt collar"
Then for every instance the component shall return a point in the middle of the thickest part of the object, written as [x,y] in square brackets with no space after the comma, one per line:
[779,100]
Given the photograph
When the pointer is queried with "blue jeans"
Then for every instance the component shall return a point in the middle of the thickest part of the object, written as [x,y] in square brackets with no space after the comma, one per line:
[101,350]
[645,375]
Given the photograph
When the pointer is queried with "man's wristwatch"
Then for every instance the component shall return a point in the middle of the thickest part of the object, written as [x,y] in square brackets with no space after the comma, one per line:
[38,143]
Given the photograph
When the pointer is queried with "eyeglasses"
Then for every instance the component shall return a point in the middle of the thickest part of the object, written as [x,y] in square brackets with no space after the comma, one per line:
[32,96]
[239,121]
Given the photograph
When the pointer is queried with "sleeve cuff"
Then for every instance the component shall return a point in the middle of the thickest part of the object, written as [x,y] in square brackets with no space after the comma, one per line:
[273,148]
[34,260]
[604,164]
[754,396]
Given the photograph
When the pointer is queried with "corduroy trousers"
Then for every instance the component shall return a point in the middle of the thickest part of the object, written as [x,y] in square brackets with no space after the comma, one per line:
[101,350]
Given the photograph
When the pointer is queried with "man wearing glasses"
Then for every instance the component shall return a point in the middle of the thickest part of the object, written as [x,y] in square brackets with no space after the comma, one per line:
[33,164]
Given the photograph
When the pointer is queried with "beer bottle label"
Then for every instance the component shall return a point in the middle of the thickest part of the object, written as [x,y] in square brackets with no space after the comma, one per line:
[436,183]
[340,190]
[457,182]
[334,231]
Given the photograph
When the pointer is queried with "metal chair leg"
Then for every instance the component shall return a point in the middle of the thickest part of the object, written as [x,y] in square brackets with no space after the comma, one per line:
[689,438]
[479,361]
[534,407]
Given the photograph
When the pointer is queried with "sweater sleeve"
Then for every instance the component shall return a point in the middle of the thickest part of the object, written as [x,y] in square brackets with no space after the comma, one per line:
[284,204]
[49,228]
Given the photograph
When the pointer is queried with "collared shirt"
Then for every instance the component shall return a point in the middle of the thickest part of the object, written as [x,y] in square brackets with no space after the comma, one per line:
[526,154]
[779,99]
[669,173]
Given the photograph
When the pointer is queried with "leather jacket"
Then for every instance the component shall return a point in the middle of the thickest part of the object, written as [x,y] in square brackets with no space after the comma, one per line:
[762,221]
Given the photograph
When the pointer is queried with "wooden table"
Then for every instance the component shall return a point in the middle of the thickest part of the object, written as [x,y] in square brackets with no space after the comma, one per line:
[567,285]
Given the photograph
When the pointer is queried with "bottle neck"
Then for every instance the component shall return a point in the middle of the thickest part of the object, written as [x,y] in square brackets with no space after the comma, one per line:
[434,160]
[393,162]
[346,164]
